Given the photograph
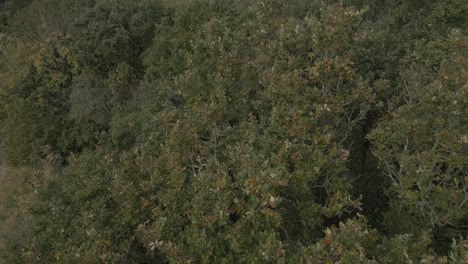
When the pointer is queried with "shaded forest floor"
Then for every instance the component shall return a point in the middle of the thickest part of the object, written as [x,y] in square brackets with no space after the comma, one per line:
[8,187]
[14,223]
[5,191]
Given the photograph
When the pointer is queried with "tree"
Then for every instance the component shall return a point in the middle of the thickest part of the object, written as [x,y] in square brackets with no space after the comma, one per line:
[423,147]
[236,131]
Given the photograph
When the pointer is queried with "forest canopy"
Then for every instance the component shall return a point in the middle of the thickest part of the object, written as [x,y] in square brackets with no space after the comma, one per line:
[233,131]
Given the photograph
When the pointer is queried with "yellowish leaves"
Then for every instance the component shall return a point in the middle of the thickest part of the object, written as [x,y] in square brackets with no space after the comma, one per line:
[344,154]
[464,139]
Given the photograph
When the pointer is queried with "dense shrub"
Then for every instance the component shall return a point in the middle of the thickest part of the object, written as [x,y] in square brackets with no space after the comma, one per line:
[216,131]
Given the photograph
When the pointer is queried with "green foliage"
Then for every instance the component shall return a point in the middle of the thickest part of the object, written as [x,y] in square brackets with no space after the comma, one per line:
[89,100]
[235,131]
[349,243]
[423,148]
[8,8]
[37,101]
[114,31]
